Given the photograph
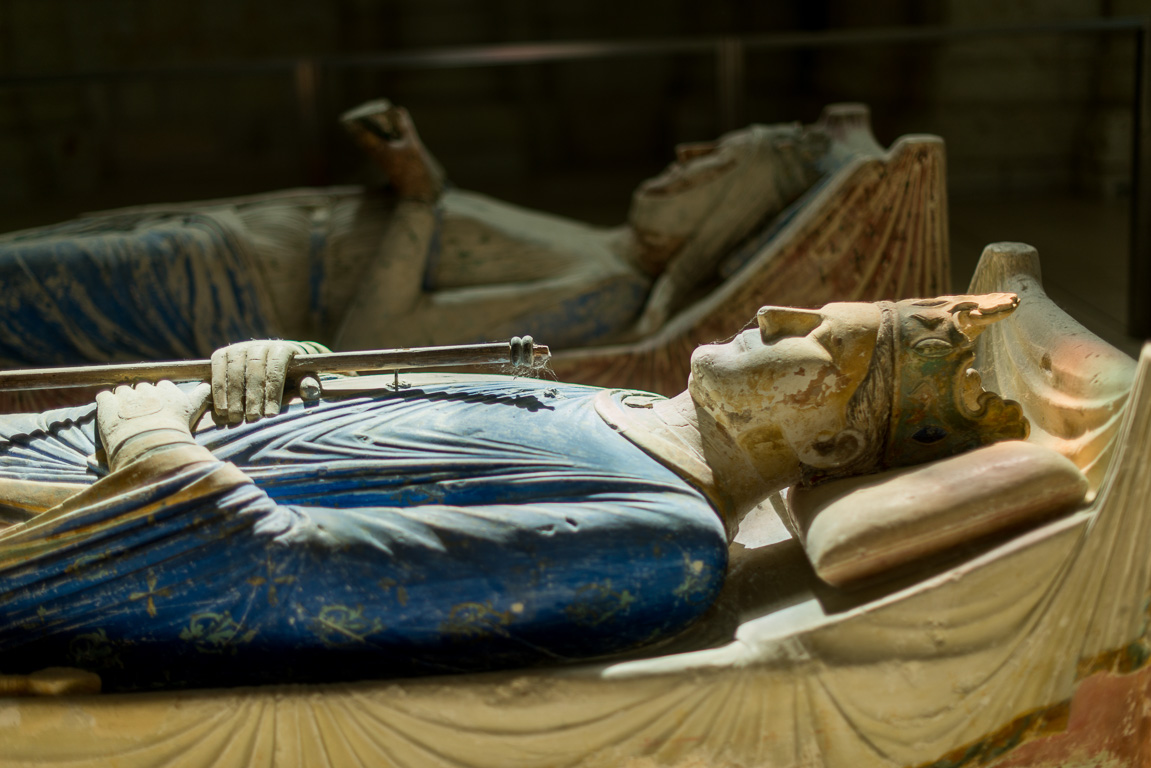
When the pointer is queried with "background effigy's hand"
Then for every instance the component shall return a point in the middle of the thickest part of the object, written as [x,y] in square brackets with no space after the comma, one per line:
[248,378]
[132,420]
[657,310]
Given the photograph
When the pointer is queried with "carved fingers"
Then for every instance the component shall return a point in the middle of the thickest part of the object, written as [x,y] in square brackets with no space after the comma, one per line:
[991,306]
[248,379]
[152,406]
[659,303]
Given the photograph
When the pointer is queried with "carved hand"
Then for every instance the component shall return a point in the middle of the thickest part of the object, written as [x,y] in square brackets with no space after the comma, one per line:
[135,420]
[658,308]
[248,378]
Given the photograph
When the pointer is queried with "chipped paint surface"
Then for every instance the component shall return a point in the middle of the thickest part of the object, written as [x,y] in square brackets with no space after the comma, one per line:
[1106,724]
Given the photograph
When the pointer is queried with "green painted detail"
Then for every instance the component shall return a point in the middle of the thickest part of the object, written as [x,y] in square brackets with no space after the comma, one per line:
[94,650]
[341,625]
[989,749]
[91,566]
[696,581]
[215,633]
[475,620]
[1137,655]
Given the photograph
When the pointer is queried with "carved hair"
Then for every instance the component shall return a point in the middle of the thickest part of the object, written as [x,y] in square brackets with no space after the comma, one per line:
[868,411]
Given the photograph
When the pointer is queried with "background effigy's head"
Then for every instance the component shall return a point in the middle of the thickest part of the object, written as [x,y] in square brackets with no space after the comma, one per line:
[668,209]
[854,388]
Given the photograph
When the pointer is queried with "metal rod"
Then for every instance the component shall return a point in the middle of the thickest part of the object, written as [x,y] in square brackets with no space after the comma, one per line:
[535,53]
[517,352]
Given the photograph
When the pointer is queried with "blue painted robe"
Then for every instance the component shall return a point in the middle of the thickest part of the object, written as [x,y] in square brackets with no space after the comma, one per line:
[128,287]
[456,527]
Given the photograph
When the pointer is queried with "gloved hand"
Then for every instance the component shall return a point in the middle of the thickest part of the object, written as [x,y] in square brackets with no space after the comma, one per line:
[135,420]
[248,378]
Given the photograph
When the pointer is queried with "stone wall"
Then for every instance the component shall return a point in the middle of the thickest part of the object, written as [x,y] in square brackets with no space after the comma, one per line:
[1047,114]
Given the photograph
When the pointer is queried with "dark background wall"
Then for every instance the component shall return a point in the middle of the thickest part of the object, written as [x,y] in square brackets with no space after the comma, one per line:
[114,102]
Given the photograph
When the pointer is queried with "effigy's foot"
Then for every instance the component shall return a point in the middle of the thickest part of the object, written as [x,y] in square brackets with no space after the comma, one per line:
[377,119]
[849,124]
[386,133]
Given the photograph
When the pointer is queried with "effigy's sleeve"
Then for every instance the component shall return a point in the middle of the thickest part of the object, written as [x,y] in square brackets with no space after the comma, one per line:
[116,519]
[111,576]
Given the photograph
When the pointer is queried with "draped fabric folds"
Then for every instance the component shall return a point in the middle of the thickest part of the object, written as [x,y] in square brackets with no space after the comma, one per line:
[456,527]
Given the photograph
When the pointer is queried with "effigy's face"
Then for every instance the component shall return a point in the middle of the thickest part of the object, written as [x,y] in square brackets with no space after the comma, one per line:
[789,378]
[695,165]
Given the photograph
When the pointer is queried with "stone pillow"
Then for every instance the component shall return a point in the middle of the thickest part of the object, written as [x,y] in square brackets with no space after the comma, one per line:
[859,528]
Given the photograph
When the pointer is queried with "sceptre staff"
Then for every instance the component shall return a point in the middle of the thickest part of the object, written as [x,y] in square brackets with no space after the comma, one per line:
[519,352]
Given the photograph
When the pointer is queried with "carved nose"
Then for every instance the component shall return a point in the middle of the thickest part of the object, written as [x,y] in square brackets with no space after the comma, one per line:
[777,322]
[685,152]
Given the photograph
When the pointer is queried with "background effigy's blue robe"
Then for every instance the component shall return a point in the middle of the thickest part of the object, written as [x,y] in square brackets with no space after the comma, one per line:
[454,527]
[128,287]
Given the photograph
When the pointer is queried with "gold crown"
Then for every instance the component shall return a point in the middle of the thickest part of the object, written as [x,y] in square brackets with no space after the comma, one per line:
[939,407]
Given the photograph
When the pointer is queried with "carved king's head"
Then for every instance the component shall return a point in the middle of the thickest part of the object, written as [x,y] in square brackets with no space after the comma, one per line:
[854,388]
